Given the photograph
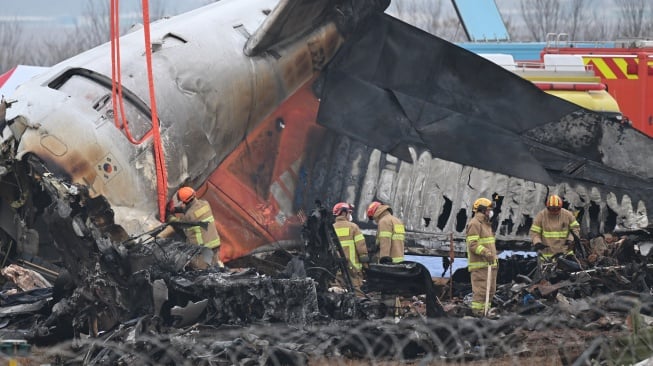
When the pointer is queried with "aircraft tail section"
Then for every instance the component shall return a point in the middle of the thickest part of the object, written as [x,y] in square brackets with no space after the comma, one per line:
[420,90]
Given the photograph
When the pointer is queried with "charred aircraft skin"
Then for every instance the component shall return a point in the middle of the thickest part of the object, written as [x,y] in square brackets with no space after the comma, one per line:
[433,196]
[240,87]
[554,145]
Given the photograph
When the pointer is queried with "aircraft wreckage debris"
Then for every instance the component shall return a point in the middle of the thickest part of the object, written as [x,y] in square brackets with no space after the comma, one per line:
[77,182]
[152,311]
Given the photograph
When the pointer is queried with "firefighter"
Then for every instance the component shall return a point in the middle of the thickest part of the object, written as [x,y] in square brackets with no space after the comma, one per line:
[352,241]
[481,254]
[551,231]
[390,234]
[193,209]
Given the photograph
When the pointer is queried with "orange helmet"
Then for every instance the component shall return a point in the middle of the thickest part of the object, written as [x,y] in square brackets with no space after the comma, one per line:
[185,194]
[554,201]
[371,209]
[340,207]
[481,202]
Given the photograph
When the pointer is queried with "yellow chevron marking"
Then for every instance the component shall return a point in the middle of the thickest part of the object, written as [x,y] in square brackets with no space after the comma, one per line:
[623,66]
[601,66]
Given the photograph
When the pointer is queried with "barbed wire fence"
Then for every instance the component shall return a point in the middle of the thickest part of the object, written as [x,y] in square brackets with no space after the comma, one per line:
[612,338]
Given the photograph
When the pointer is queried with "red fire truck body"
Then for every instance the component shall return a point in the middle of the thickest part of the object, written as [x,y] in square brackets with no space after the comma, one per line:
[627,71]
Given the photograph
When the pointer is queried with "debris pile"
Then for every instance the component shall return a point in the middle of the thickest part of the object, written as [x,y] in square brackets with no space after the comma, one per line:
[135,303]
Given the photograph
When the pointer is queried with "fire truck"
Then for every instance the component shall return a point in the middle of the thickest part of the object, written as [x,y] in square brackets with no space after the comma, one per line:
[566,77]
[626,70]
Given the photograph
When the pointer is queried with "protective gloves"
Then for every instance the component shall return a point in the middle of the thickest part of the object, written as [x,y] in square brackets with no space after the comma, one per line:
[489,257]
[365,260]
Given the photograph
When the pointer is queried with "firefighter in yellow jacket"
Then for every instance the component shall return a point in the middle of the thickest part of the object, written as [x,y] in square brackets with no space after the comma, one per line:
[551,231]
[194,209]
[352,241]
[390,233]
[481,253]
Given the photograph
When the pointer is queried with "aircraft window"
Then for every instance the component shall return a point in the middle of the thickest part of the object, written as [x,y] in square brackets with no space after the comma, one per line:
[96,90]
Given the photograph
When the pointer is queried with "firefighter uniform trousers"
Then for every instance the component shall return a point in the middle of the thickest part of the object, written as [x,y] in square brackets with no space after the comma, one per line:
[479,288]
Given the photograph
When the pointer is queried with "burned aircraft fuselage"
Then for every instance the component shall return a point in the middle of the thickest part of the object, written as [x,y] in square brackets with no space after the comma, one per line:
[211,96]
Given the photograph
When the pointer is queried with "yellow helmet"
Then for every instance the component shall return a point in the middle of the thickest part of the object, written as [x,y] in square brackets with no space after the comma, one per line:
[481,202]
[554,201]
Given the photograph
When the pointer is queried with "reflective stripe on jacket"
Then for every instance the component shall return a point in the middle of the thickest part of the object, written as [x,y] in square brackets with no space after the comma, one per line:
[351,239]
[479,238]
[390,234]
[553,231]
[200,210]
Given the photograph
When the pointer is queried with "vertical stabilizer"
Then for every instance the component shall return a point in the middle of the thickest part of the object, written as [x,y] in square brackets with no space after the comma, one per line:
[481,20]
